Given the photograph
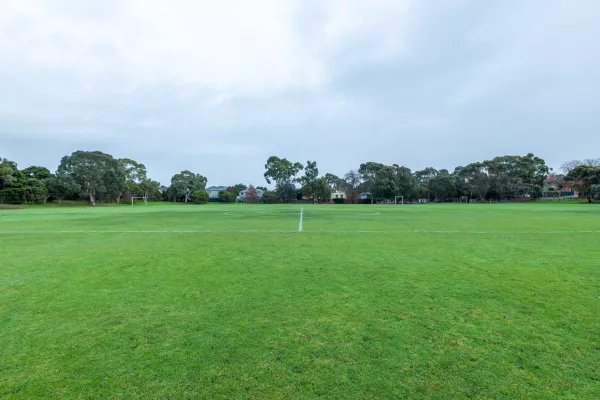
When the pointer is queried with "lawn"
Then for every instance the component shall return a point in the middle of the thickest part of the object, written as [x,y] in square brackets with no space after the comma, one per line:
[180,301]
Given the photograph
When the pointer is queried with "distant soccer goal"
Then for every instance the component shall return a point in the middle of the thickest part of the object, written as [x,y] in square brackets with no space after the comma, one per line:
[145,198]
[401,199]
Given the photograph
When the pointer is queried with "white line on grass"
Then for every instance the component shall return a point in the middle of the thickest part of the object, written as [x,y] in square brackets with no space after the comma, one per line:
[289,231]
[300,225]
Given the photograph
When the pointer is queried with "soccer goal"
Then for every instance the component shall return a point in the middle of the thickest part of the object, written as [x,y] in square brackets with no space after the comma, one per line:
[145,198]
[401,199]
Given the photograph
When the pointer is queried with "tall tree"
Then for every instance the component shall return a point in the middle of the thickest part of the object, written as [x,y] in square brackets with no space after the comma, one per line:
[460,183]
[353,182]
[568,166]
[405,182]
[39,173]
[593,162]
[477,180]
[281,169]
[532,171]
[238,188]
[386,183]
[129,178]
[583,177]
[336,184]
[321,190]
[60,186]
[12,183]
[35,191]
[185,183]
[442,186]
[149,189]
[594,192]
[88,170]
[368,172]
[311,172]
[423,177]
[286,190]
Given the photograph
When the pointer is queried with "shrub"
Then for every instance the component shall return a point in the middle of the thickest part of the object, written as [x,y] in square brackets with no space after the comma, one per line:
[227,196]
[200,197]
[339,201]
[13,195]
[270,197]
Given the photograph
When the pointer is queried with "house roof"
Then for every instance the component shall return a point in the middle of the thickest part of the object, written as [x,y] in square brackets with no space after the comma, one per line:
[217,188]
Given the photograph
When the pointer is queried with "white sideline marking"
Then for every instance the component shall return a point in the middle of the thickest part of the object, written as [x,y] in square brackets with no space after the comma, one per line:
[300,225]
[289,231]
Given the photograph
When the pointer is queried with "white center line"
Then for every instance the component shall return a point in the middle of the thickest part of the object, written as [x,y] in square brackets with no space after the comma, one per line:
[300,225]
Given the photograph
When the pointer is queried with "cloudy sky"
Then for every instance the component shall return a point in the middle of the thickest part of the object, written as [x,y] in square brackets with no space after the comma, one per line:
[217,87]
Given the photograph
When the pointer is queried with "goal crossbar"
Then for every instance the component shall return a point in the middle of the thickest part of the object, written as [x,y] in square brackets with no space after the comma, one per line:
[145,198]
[401,199]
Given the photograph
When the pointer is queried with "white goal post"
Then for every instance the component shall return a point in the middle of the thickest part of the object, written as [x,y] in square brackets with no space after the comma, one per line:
[145,198]
[401,199]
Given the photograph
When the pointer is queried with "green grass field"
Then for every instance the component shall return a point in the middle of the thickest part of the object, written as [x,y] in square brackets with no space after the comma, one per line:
[231,301]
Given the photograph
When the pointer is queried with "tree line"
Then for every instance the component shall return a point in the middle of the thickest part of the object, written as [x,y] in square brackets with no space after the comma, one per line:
[97,176]
[501,178]
[92,175]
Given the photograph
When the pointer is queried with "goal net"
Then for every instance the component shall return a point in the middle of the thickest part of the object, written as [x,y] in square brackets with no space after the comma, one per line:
[134,200]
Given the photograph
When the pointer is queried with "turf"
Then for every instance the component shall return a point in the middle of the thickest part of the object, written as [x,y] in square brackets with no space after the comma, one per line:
[223,301]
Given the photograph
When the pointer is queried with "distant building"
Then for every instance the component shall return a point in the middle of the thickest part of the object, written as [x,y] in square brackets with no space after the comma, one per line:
[557,182]
[552,182]
[259,192]
[213,191]
[163,189]
[338,195]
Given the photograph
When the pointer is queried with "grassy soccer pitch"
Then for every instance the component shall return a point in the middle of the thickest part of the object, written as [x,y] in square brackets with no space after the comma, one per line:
[231,301]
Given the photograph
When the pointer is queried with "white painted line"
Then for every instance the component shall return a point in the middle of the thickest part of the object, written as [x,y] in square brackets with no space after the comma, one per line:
[146,231]
[300,225]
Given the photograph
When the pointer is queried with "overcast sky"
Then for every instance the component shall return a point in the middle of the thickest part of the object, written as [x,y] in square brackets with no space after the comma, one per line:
[216,87]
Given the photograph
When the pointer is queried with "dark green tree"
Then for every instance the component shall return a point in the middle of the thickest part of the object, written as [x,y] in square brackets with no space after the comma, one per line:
[442,186]
[39,173]
[308,181]
[199,196]
[423,177]
[12,183]
[368,172]
[321,190]
[270,197]
[353,183]
[226,196]
[281,169]
[185,183]
[236,189]
[584,177]
[35,191]
[336,184]
[406,184]
[286,190]
[90,171]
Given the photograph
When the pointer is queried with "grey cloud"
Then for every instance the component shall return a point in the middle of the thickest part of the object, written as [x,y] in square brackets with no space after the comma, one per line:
[469,80]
